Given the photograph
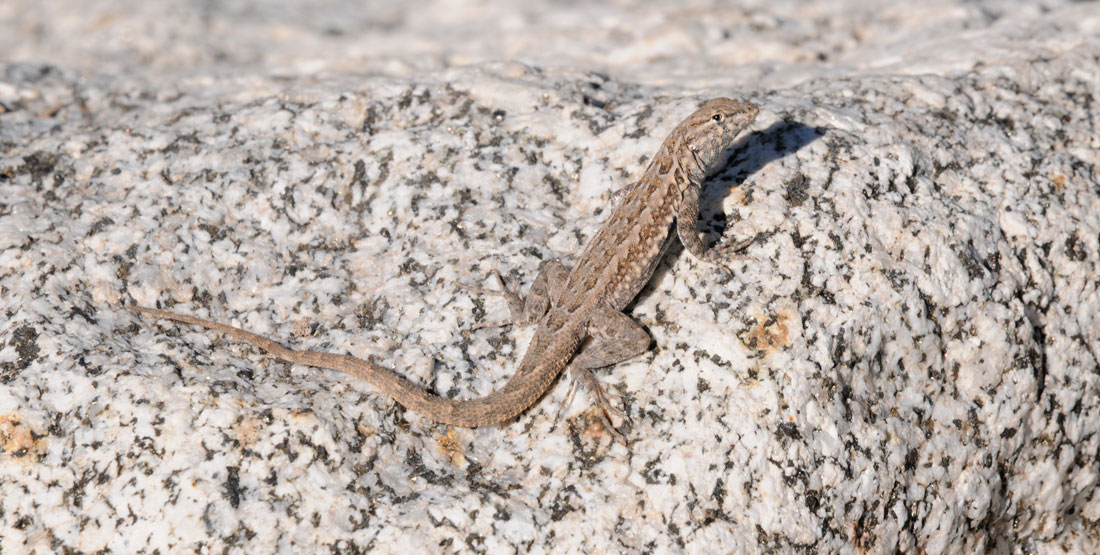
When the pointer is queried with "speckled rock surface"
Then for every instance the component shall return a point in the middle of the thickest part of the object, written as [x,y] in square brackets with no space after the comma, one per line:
[905,358]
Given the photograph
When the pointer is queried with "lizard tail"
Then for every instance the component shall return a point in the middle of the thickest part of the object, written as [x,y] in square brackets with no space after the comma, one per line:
[500,406]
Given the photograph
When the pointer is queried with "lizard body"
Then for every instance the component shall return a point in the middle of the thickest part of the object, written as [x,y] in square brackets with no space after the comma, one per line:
[571,306]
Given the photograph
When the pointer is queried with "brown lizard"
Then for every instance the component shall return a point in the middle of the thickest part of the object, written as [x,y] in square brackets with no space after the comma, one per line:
[571,305]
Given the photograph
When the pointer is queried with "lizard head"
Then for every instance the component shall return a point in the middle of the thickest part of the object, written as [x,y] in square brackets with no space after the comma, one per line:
[711,130]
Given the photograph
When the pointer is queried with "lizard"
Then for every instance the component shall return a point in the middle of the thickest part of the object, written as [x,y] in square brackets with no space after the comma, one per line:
[570,306]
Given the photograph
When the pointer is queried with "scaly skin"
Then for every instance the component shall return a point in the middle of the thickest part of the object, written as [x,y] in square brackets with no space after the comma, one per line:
[571,306]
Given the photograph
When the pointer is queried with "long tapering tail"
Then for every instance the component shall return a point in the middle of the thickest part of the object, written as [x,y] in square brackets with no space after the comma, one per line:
[497,407]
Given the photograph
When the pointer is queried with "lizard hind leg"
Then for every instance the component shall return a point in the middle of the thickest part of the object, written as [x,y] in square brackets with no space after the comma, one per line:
[529,309]
[615,337]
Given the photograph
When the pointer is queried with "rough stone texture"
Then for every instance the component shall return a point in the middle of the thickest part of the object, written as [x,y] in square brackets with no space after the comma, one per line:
[906,358]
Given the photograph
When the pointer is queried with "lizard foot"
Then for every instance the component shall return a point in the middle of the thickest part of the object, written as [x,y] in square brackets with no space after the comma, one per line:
[718,253]
[511,297]
[586,379]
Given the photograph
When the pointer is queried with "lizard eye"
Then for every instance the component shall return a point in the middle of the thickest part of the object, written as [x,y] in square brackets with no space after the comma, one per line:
[717,117]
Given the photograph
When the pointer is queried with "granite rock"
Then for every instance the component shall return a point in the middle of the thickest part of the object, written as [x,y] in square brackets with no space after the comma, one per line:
[904,358]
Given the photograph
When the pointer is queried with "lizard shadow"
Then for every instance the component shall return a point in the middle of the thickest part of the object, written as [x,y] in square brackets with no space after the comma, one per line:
[747,156]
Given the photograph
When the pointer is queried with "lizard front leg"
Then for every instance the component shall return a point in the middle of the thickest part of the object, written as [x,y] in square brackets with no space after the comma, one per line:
[695,241]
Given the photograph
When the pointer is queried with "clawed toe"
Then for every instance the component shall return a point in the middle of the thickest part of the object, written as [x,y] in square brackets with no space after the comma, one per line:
[567,401]
[477,289]
[606,410]
[497,324]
